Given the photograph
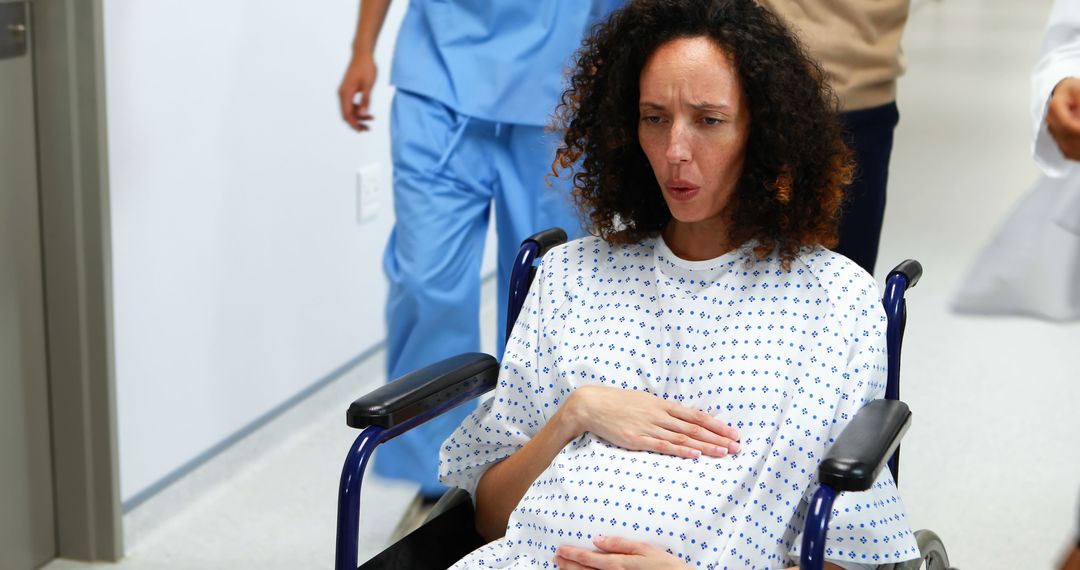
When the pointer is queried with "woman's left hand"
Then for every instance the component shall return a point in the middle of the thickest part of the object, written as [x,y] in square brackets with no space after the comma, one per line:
[617,554]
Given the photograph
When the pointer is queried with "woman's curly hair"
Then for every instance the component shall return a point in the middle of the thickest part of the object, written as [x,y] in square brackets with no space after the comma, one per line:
[796,165]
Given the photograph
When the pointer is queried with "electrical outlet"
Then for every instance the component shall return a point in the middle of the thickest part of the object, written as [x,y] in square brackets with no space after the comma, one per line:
[367,192]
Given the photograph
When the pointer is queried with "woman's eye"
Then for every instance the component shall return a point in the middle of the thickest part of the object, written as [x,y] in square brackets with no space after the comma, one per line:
[651,119]
[712,121]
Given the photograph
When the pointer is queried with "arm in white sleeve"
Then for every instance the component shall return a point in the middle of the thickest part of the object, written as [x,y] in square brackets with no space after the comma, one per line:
[514,414]
[1060,59]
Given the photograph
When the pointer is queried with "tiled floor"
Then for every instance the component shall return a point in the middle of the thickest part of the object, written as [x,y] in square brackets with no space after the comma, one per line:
[992,462]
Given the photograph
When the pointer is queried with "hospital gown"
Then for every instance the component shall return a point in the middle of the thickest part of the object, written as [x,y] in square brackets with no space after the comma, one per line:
[785,356]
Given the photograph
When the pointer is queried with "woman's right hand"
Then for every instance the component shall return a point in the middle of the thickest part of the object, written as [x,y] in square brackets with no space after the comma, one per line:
[640,421]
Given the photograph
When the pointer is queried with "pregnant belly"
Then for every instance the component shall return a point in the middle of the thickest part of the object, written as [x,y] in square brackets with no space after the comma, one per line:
[682,505]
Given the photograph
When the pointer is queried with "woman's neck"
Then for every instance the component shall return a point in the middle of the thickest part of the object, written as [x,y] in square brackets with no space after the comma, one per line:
[697,241]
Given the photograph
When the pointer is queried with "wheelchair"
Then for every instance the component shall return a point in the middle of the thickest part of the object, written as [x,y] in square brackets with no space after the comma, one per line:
[869,442]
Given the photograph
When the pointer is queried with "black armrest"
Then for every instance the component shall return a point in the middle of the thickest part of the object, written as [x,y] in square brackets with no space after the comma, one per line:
[862,449]
[444,384]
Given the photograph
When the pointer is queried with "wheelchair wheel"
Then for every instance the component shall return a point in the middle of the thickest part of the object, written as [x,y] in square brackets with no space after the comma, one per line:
[932,550]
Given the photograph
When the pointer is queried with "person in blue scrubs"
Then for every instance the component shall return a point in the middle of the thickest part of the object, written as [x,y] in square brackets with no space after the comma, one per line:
[477,83]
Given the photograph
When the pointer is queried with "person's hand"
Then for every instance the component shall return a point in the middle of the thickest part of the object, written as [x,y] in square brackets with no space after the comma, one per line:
[1063,117]
[616,554]
[359,79]
[640,421]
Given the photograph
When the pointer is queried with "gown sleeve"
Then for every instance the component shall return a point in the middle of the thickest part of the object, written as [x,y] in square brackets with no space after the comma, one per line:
[869,527]
[512,414]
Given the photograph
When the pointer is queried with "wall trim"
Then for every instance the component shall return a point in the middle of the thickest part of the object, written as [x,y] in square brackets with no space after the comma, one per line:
[198,461]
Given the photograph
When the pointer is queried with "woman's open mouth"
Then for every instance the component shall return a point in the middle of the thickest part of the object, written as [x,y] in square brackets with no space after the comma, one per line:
[681,189]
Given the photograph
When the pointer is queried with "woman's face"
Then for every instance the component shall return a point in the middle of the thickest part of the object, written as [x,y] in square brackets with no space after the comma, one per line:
[693,125]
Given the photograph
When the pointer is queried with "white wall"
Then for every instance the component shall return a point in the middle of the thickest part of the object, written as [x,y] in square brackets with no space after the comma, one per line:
[240,273]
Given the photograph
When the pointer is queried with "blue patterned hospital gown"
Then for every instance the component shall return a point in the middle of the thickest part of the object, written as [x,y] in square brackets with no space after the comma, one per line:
[785,356]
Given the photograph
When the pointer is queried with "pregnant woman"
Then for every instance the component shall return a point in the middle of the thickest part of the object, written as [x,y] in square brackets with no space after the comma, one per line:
[673,381]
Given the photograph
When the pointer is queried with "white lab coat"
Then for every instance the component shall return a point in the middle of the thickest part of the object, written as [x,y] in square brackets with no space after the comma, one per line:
[1032,264]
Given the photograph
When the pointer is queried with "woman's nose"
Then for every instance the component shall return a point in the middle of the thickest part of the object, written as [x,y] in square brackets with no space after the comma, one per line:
[678,151]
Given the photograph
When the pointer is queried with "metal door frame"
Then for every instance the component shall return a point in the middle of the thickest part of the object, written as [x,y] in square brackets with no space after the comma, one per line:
[69,94]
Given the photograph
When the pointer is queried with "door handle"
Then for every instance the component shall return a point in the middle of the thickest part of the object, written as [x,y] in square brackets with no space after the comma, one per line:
[13,29]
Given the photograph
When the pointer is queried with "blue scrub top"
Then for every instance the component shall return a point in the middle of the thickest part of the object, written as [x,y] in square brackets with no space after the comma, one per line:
[498,60]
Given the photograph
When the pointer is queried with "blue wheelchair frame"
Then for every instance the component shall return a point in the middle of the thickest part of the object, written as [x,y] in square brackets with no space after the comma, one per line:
[852,463]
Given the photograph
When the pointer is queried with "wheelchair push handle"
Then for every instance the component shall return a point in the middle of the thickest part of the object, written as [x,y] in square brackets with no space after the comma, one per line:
[546,240]
[910,269]
[521,276]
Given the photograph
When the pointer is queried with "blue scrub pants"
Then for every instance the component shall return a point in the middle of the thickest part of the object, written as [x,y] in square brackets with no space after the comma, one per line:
[449,171]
